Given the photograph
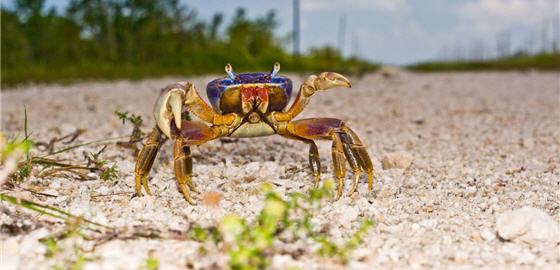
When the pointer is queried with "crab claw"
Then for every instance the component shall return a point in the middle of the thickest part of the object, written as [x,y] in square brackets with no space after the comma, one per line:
[168,108]
[328,80]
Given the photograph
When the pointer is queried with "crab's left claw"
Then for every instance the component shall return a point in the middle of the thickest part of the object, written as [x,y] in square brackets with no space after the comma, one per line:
[169,107]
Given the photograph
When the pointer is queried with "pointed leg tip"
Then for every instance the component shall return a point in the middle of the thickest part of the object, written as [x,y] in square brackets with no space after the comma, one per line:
[355,183]
[352,190]
[193,188]
[186,194]
[338,196]
[190,201]
[316,181]
[338,193]
[148,191]
[371,179]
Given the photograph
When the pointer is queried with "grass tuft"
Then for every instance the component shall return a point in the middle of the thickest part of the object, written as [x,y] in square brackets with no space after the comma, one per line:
[250,245]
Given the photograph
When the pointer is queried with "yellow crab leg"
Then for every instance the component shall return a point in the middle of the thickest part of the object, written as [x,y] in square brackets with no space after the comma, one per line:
[314,161]
[183,168]
[145,160]
[346,147]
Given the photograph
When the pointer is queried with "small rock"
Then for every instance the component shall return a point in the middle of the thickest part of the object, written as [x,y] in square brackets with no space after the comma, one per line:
[475,236]
[103,190]
[461,257]
[9,256]
[30,244]
[487,235]
[349,214]
[125,166]
[528,224]
[416,258]
[252,168]
[399,159]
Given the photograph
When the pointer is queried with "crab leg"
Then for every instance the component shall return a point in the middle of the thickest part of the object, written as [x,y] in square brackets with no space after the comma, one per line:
[191,133]
[312,84]
[360,153]
[339,163]
[346,147]
[183,168]
[352,161]
[146,159]
[314,162]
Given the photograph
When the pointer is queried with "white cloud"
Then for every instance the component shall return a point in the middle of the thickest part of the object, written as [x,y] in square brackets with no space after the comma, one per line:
[492,16]
[381,5]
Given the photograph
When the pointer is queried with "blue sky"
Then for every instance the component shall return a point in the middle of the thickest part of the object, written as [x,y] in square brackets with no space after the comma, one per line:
[402,31]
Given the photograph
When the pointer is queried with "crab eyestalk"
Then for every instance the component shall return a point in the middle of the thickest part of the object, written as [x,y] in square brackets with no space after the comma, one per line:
[229,71]
[275,70]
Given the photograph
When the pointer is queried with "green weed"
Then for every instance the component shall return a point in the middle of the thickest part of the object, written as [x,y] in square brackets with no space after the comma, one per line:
[251,244]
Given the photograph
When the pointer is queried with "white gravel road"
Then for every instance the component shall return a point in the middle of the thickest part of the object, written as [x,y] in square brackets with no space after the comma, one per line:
[479,145]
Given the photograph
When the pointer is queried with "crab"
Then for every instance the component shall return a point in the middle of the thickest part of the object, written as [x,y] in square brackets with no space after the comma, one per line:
[249,105]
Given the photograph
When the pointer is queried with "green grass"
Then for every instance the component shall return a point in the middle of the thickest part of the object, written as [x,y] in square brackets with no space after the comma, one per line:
[251,245]
[548,61]
[67,74]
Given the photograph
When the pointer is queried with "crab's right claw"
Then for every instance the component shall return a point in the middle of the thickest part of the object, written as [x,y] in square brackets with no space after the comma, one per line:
[328,80]
[169,108]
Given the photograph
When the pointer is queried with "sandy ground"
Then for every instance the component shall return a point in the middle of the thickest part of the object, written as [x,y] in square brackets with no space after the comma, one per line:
[481,143]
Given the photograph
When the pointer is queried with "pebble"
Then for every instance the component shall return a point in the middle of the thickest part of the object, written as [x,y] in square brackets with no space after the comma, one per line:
[528,224]
[252,168]
[398,159]
[417,258]
[31,245]
[487,235]
[461,257]
[9,256]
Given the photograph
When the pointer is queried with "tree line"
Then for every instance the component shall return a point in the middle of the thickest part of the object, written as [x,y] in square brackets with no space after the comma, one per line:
[138,38]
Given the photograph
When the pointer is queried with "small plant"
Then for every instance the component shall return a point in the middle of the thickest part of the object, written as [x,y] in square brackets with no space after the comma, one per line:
[152,263]
[12,151]
[109,173]
[52,247]
[135,121]
[250,245]
[95,163]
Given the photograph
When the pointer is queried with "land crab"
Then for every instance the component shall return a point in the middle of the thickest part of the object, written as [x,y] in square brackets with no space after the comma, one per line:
[249,105]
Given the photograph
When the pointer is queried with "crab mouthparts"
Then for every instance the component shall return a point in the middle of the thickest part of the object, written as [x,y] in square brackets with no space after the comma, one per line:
[254,97]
